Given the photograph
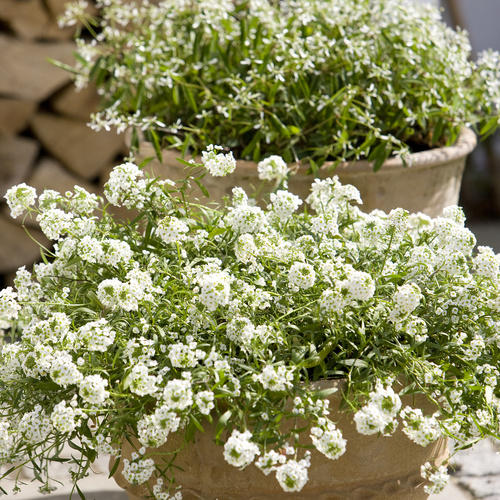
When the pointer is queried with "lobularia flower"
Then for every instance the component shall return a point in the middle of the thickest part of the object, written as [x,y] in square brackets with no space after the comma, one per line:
[35,426]
[9,307]
[240,330]
[138,471]
[172,230]
[268,462]
[125,186]
[325,224]
[83,202]
[301,275]
[90,249]
[406,300]
[64,417]
[204,401]
[5,444]
[283,205]
[273,168]
[141,382]
[420,429]
[239,450]
[19,198]
[63,371]
[92,390]
[96,335]
[215,289]
[178,394]
[115,252]
[437,476]
[275,379]
[246,219]
[218,164]
[185,356]
[115,294]
[54,223]
[329,440]
[487,263]
[292,475]
[378,415]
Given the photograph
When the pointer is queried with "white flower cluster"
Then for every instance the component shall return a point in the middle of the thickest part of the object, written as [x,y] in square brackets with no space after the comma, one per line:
[138,470]
[437,476]
[239,451]
[419,428]
[124,331]
[275,379]
[218,164]
[379,414]
[301,275]
[328,440]
[273,168]
[19,198]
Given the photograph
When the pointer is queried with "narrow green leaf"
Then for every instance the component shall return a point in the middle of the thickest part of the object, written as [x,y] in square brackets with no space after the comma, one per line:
[115,467]
[190,98]
[221,424]
[251,144]
[203,189]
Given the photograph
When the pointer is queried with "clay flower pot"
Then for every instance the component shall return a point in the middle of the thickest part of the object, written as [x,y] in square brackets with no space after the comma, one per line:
[431,183]
[372,468]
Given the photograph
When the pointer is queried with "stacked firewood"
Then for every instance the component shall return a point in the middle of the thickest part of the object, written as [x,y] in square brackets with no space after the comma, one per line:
[44,137]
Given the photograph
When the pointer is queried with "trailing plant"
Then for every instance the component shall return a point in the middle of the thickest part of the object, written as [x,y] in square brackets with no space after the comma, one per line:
[182,314]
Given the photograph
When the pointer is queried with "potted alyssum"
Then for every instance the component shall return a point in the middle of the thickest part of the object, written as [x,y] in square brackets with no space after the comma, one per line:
[279,334]
[317,82]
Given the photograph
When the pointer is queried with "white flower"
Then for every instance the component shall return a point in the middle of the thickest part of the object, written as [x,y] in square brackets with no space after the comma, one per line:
[64,418]
[218,164]
[239,451]
[19,198]
[283,205]
[92,390]
[125,185]
[9,308]
[329,441]
[240,330]
[268,462]
[141,382]
[204,401]
[437,476]
[420,429]
[54,223]
[172,230]
[215,289]
[97,335]
[35,426]
[5,444]
[138,471]
[63,371]
[292,475]
[275,379]
[273,168]
[178,394]
[302,275]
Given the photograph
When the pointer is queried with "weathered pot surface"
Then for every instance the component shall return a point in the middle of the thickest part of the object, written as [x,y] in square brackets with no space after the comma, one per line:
[431,183]
[373,467]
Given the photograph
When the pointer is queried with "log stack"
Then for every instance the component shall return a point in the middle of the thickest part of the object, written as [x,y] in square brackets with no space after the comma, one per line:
[44,139]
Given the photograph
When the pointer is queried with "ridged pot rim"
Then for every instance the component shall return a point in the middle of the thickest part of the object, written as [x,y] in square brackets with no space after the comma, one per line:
[421,160]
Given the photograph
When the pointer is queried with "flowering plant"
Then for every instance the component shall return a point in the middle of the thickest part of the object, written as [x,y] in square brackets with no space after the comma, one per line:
[184,314]
[308,80]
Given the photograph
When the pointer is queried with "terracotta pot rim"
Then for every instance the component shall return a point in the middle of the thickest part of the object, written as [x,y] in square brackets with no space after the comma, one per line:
[465,143]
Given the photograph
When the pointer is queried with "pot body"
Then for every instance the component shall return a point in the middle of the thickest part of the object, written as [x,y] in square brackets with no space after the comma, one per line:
[372,468]
[431,183]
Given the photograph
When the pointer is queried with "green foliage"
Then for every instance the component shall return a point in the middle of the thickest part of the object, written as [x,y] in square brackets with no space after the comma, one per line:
[309,80]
